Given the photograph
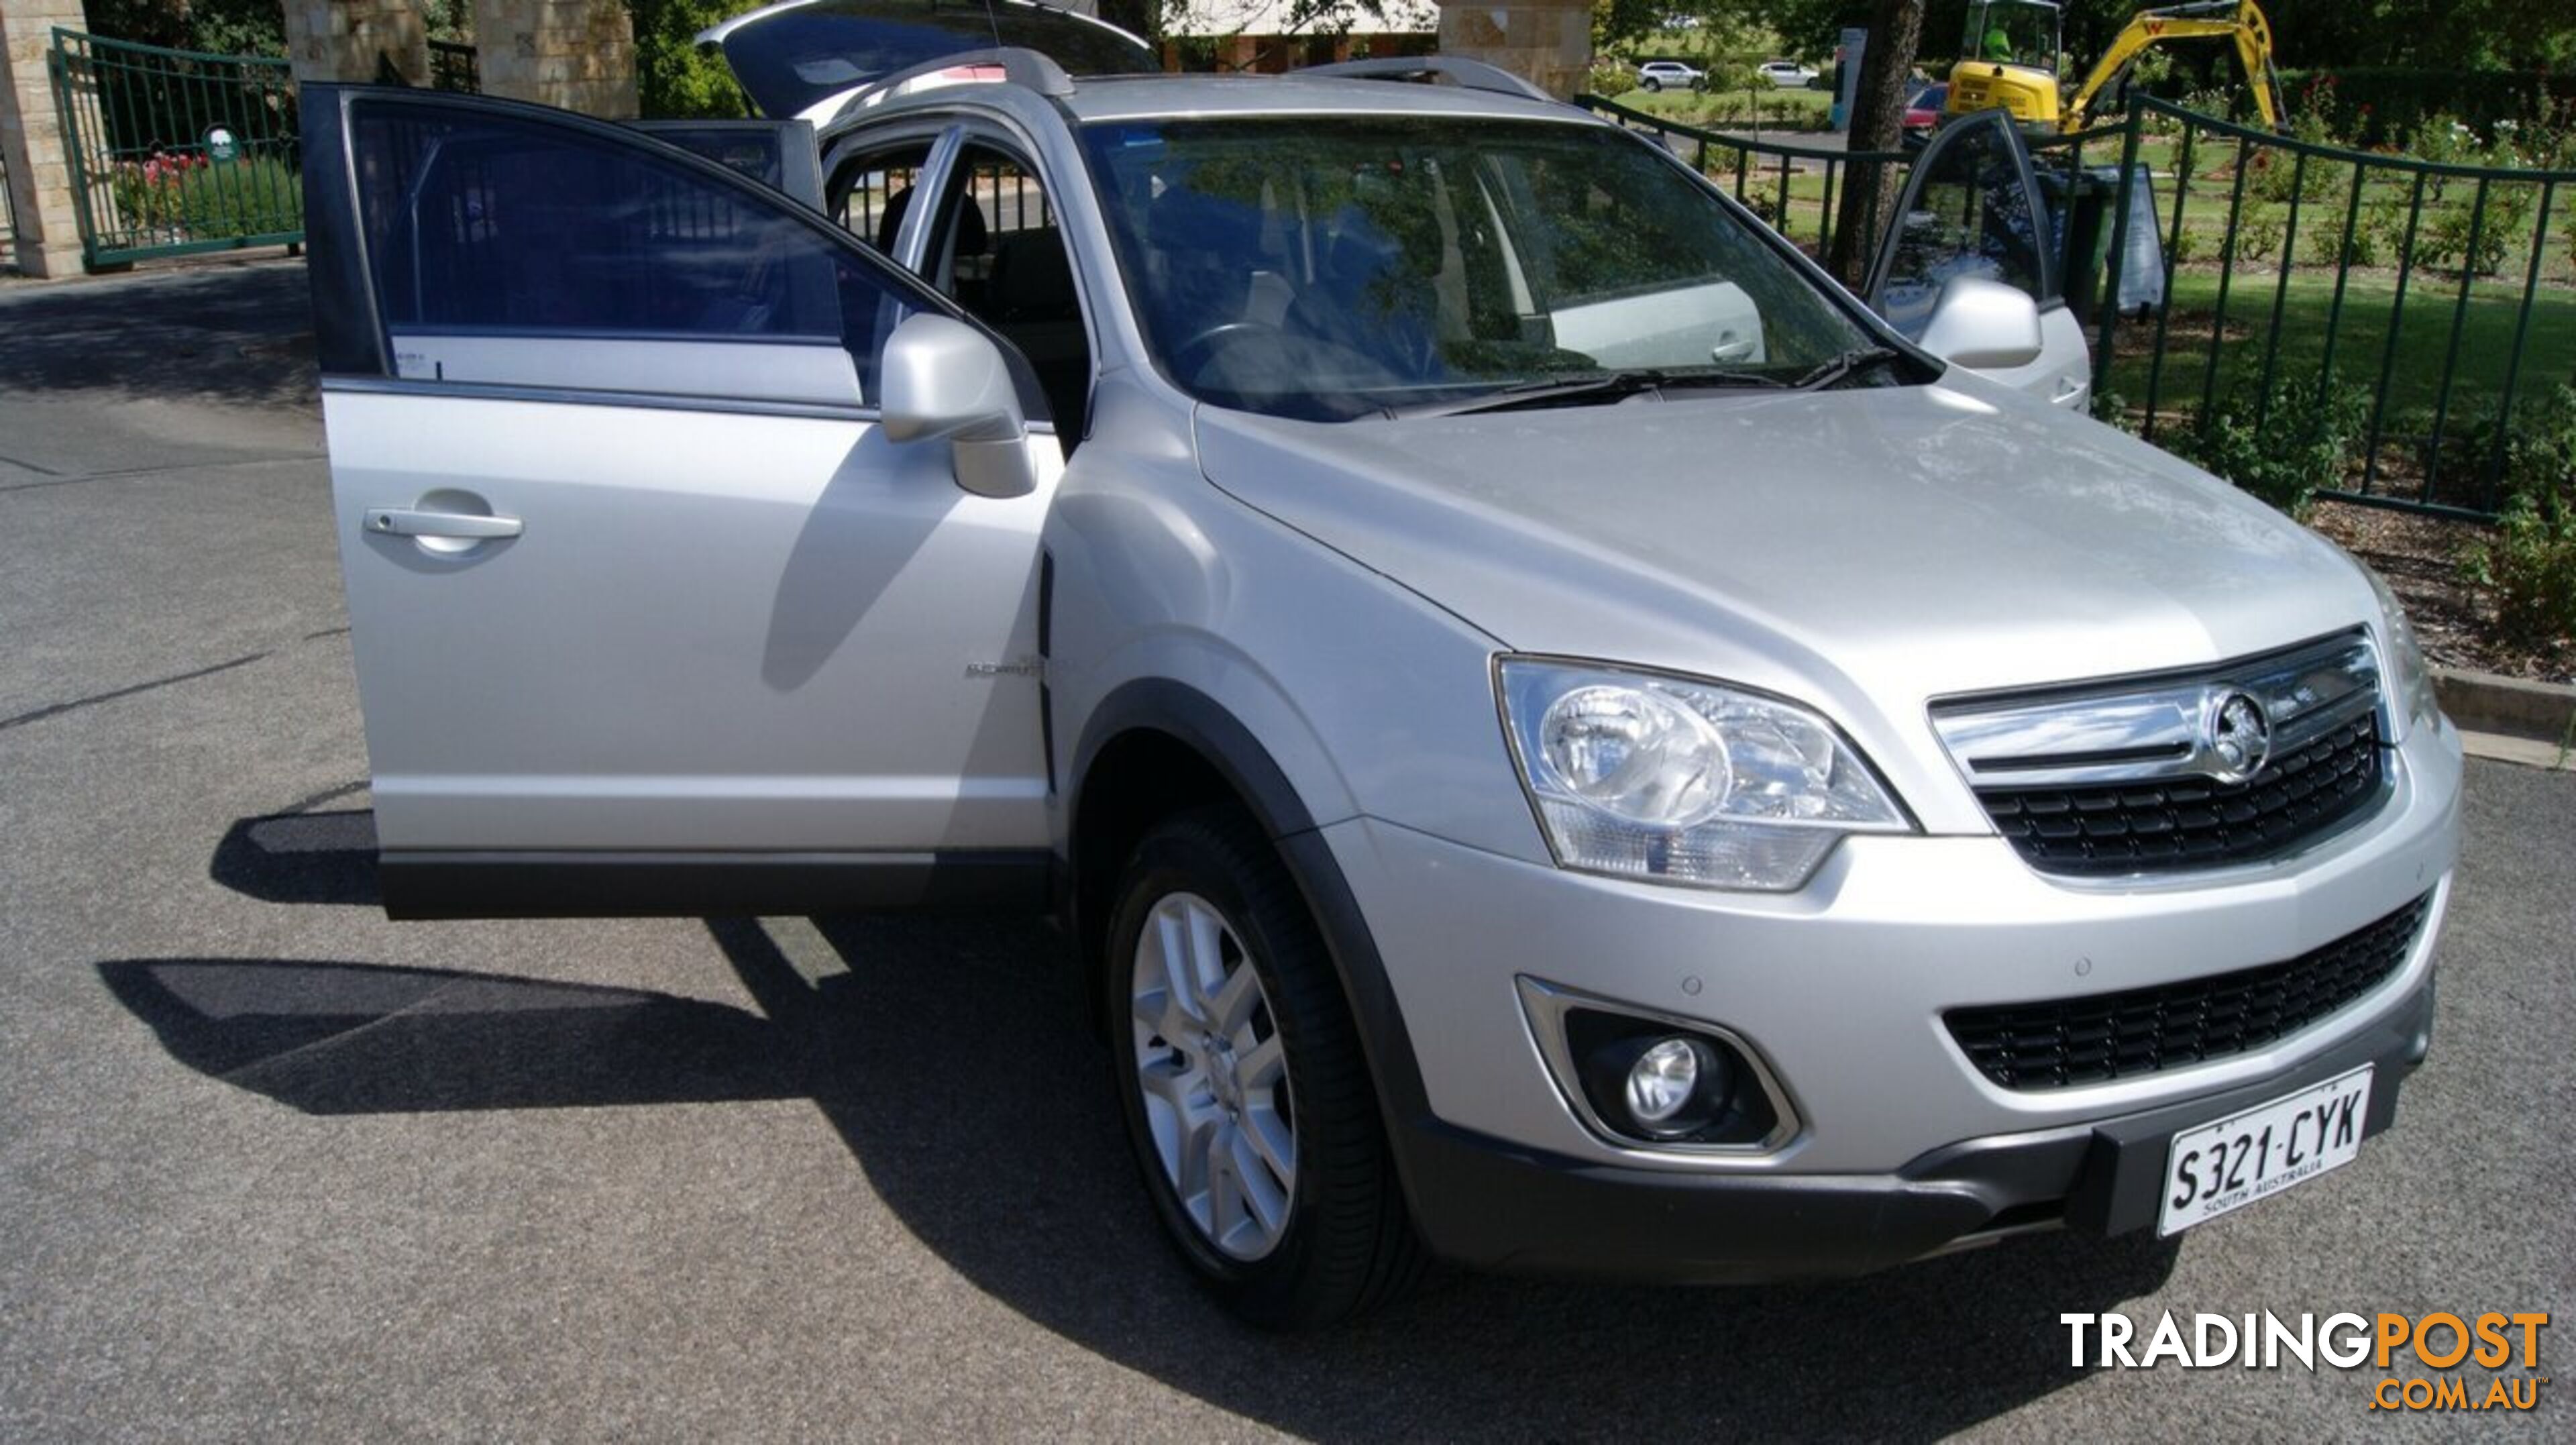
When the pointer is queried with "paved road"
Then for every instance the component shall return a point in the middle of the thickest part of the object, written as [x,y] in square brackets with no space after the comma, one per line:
[271,1166]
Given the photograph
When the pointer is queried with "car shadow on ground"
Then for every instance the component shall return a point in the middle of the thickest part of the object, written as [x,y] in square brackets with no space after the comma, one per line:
[229,334]
[947,1055]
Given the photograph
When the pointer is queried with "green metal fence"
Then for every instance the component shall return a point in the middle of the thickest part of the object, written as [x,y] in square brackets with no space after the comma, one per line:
[176,151]
[2312,296]
[1799,188]
[2315,296]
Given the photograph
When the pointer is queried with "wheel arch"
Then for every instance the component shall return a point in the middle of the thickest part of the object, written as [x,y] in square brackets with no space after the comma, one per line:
[1154,746]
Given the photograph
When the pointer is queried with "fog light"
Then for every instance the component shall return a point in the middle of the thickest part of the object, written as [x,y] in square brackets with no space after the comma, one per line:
[1661,1082]
[1650,1080]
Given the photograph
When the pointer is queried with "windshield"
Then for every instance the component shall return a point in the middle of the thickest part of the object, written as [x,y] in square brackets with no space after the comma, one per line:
[1335,267]
[2011,32]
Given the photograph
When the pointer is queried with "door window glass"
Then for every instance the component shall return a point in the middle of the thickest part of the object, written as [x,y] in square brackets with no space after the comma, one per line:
[872,193]
[1968,212]
[999,253]
[499,226]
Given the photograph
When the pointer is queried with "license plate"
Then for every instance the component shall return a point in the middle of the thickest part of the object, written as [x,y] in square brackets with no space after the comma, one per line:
[2257,1154]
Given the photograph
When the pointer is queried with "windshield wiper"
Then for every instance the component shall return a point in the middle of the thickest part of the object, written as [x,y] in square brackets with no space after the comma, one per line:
[1850,363]
[1587,389]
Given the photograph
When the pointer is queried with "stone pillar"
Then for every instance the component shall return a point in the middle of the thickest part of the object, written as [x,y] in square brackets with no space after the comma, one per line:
[1546,41]
[357,41]
[31,137]
[576,54]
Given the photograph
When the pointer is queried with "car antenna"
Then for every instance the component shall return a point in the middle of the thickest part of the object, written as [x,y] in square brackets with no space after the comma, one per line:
[995,21]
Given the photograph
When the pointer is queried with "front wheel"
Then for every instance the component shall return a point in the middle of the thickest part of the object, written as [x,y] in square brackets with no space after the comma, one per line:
[1652,85]
[1241,1079]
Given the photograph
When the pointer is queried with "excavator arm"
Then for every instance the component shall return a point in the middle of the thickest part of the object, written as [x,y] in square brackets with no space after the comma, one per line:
[2238,20]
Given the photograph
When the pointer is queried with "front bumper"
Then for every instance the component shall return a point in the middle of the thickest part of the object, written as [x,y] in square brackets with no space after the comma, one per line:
[1902,1145]
[1492,1205]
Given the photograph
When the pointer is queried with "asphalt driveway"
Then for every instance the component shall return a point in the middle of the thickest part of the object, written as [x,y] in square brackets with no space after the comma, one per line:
[271,1166]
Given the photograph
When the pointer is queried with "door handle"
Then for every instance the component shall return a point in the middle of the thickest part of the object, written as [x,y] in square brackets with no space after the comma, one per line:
[407,522]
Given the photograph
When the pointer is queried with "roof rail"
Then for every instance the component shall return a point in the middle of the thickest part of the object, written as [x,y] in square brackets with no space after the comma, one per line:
[1457,69]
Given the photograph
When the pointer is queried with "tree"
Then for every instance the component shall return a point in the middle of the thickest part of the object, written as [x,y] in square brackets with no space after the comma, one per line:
[226,27]
[1136,17]
[673,80]
[1878,110]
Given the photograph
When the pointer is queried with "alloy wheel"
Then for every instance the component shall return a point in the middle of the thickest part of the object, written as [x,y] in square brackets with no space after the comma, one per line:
[1213,1075]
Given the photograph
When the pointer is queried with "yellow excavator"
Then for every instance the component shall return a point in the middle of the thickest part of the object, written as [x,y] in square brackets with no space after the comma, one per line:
[2009,58]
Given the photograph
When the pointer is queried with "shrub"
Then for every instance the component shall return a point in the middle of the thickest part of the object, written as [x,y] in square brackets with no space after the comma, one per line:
[2453,234]
[2528,567]
[185,197]
[2528,570]
[2305,445]
[1609,77]
[2329,246]
[2277,175]
[2258,235]
[2540,450]
[250,197]
[2384,221]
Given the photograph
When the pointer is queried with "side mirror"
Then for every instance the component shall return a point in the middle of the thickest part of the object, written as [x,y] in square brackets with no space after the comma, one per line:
[1983,325]
[943,378]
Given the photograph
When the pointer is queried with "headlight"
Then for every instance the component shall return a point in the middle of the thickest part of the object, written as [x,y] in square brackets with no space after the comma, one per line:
[2410,678]
[1639,775]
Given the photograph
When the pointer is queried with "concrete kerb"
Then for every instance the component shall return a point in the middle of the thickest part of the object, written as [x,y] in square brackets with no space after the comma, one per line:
[2509,718]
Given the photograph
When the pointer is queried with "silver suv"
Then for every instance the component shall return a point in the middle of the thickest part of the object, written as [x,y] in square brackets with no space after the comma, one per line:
[1678,75]
[1563,739]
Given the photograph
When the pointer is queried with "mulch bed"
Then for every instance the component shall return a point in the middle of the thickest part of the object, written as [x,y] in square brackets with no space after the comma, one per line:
[2420,558]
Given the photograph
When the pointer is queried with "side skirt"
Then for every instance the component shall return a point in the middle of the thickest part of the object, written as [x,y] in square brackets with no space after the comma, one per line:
[608,885]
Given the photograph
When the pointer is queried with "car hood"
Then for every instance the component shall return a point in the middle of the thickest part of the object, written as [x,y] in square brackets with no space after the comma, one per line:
[1866,549]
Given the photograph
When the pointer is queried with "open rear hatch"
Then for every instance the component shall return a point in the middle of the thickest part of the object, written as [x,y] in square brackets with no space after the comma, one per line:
[811,58]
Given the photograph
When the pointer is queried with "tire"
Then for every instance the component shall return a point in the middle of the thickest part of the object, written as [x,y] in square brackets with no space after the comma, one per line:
[1342,1242]
[1651,84]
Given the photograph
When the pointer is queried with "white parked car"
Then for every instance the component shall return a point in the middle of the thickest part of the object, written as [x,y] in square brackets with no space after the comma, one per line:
[1788,74]
[1670,75]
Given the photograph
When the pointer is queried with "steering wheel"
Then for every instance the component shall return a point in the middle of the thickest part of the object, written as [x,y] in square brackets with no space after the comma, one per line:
[1187,358]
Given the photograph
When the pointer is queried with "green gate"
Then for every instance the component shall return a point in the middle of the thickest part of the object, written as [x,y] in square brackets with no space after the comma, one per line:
[176,151]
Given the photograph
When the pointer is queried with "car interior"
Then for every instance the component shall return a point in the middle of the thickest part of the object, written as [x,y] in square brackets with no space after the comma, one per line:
[995,250]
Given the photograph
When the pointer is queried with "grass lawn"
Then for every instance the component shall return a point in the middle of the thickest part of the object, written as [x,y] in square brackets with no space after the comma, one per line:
[2361,339]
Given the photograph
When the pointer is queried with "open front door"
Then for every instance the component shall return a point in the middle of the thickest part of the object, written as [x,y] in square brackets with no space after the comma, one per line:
[649,614]
[1971,208]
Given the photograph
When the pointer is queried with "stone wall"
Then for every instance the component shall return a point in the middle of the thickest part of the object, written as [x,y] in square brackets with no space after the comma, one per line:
[1546,41]
[357,40]
[31,138]
[577,54]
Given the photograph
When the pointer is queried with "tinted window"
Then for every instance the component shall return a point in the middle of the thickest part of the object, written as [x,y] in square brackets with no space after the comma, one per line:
[1336,267]
[503,226]
[778,154]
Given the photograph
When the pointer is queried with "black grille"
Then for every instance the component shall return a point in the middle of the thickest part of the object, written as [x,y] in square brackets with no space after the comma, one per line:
[2194,822]
[2144,1030]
